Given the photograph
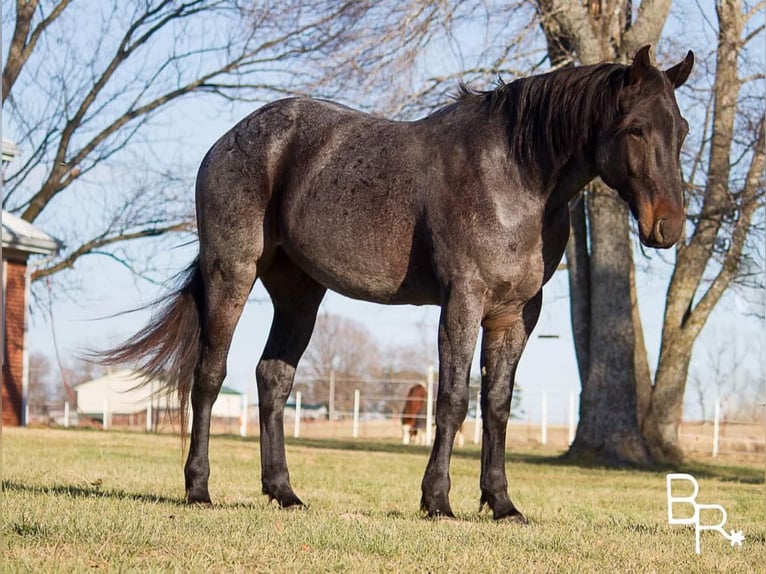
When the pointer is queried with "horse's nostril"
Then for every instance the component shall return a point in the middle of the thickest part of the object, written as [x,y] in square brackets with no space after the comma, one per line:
[658,230]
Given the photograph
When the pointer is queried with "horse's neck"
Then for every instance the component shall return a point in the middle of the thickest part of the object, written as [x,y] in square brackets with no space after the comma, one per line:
[578,100]
[568,180]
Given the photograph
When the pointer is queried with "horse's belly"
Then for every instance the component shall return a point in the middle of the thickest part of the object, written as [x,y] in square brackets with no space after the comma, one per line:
[371,262]
[350,216]
[372,279]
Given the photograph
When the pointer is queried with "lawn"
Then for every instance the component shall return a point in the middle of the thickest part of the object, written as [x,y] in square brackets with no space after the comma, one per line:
[77,501]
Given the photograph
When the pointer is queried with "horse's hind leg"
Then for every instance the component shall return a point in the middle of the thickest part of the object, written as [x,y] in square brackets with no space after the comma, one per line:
[227,286]
[296,299]
[501,349]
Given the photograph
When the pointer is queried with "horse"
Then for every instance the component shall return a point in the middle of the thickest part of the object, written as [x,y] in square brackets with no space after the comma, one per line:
[414,413]
[466,208]
[414,416]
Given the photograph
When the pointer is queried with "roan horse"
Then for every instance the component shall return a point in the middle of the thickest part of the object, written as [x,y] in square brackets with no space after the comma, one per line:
[466,208]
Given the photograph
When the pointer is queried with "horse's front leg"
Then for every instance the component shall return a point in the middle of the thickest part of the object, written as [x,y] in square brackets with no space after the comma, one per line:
[458,329]
[503,341]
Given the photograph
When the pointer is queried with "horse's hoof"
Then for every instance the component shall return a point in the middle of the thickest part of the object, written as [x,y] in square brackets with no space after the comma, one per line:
[198,498]
[288,502]
[440,514]
[513,518]
[294,507]
[449,518]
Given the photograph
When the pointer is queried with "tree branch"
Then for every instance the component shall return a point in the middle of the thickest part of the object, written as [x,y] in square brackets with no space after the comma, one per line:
[570,19]
[748,204]
[23,43]
[651,18]
[93,246]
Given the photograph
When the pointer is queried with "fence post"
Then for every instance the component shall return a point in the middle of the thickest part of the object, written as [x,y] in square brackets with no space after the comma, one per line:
[572,410]
[297,424]
[477,419]
[331,409]
[149,415]
[105,423]
[355,427]
[429,404]
[544,418]
[243,418]
[716,423]
[66,414]
[150,409]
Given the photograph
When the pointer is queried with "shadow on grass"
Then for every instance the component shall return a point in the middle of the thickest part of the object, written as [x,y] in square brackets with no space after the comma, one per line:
[82,491]
[725,473]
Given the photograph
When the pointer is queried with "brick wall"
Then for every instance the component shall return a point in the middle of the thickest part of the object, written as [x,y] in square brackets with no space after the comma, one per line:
[13,362]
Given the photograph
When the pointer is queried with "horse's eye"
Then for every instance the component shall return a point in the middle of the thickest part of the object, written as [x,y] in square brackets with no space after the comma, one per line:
[635,131]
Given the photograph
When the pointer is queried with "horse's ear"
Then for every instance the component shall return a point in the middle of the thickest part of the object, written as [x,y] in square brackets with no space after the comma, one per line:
[679,73]
[641,65]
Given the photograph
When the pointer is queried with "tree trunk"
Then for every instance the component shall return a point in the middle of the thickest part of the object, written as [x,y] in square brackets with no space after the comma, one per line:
[578,267]
[660,428]
[640,359]
[608,427]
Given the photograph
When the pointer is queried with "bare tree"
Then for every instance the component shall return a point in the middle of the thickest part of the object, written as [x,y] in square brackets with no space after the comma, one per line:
[40,383]
[51,383]
[727,179]
[347,348]
[403,366]
[472,42]
[730,371]
[726,176]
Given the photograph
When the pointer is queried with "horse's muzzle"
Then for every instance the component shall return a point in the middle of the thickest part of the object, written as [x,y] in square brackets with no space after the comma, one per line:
[662,233]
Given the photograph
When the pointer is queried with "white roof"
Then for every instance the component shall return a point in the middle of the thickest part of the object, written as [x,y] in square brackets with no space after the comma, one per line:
[22,235]
[9,150]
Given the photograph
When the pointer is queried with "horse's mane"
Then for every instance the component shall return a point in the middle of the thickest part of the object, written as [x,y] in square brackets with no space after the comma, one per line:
[550,115]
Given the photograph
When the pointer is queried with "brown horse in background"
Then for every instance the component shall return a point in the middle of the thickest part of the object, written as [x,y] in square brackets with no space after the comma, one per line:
[414,417]
[414,413]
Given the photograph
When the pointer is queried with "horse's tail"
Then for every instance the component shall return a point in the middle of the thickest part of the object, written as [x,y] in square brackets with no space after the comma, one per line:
[168,348]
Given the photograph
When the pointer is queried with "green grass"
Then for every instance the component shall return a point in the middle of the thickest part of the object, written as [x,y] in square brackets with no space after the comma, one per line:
[83,501]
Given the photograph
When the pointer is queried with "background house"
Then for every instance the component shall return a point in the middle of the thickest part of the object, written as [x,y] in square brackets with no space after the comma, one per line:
[20,240]
[127,402]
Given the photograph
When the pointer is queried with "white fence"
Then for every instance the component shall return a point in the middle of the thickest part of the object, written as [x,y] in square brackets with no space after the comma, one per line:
[724,436]
[372,408]
[546,418]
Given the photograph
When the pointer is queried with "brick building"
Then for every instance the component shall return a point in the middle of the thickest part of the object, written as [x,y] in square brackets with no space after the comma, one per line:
[20,240]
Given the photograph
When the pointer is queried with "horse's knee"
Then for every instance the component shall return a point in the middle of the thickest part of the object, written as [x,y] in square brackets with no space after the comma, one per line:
[205,387]
[274,380]
[452,407]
